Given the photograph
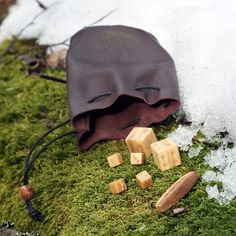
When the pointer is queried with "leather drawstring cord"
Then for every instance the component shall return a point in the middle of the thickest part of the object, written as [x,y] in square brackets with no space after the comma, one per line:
[52,78]
[26,191]
[40,139]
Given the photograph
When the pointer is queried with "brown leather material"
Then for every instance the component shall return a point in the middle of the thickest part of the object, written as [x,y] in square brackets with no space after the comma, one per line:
[118,77]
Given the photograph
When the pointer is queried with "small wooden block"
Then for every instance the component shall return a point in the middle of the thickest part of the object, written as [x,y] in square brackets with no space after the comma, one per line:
[137,158]
[140,140]
[166,154]
[144,179]
[115,160]
[177,191]
[118,186]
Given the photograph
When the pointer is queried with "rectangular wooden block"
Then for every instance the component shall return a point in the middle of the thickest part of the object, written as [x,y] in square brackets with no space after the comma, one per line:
[137,158]
[115,160]
[140,140]
[118,186]
[144,179]
[166,154]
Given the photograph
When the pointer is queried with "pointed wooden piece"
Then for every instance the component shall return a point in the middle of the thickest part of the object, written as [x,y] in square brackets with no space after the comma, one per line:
[177,191]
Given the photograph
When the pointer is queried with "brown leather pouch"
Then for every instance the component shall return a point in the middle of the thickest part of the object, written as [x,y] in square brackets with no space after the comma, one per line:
[118,77]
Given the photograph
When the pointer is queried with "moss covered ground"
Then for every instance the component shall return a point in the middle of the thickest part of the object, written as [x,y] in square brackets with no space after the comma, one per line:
[72,186]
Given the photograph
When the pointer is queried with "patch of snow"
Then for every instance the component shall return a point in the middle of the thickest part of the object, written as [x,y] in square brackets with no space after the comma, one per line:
[194,151]
[213,191]
[221,158]
[216,159]
[183,136]
[224,160]
[199,35]
[210,176]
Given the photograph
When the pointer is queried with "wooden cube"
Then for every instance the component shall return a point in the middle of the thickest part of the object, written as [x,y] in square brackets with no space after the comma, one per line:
[115,160]
[118,186]
[140,140]
[166,154]
[144,179]
[137,158]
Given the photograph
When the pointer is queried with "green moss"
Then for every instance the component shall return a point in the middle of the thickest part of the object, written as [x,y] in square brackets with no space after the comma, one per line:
[72,186]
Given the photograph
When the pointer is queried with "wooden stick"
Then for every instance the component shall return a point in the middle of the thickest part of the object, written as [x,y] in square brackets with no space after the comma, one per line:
[177,191]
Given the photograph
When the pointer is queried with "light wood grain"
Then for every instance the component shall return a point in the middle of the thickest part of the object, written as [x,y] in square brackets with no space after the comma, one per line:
[177,191]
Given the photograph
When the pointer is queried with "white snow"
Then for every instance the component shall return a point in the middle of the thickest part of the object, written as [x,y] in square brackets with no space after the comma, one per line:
[225,162]
[200,36]
[183,136]
[213,191]
[194,151]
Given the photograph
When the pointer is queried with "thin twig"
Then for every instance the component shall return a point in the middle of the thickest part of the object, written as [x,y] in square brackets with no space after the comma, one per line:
[35,18]
[60,43]
[41,4]
[102,18]
[199,140]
